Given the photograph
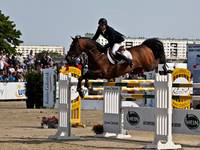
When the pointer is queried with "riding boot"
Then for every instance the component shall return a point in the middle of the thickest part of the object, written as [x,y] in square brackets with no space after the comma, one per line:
[128,60]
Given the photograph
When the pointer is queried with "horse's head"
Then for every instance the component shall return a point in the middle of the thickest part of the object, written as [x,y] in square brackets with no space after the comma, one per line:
[74,51]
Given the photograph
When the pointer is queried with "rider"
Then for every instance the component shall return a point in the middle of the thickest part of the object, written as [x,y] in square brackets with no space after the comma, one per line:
[114,38]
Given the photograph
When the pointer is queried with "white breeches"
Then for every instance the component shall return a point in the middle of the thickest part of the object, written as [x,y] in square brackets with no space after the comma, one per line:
[126,53]
[116,47]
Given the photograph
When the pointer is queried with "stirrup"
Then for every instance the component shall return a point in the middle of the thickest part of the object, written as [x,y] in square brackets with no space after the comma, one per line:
[129,62]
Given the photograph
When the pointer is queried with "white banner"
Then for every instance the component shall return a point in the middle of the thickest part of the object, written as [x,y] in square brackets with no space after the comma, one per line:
[141,118]
[12,90]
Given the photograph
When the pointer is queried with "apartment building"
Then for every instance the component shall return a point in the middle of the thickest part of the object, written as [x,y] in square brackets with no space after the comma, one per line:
[25,49]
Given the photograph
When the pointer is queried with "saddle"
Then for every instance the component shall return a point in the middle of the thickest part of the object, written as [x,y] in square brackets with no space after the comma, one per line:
[117,59]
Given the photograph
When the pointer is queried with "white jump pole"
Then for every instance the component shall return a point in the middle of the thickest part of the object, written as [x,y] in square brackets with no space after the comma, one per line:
[113,117]
[64,107]
[163,114]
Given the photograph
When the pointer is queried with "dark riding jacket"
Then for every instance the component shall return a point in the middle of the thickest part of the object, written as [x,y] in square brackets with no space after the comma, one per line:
[111,35]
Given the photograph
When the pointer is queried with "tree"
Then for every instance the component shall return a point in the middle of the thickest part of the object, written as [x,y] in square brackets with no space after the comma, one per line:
[9,35]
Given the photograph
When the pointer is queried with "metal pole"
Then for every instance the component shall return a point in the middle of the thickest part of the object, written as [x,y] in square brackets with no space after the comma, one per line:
[69,105]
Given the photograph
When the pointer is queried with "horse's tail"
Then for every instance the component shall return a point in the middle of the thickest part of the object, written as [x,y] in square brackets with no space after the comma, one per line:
[157,47]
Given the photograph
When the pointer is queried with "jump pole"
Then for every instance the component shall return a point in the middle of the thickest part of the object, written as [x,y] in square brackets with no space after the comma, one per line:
[163,113]
[64,107]
[113,121]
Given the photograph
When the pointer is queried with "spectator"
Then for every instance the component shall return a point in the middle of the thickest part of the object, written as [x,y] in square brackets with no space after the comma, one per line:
[30,60]
[78,63]
[1,76]
[11,69]
[12,77]
[14,61]
[1,62]
[20,76]
[5,75]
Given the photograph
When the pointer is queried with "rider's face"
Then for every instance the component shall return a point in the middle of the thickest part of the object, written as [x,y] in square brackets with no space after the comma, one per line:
[102,27]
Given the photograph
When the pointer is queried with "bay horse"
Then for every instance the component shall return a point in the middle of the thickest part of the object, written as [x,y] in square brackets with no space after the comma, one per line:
[146,57]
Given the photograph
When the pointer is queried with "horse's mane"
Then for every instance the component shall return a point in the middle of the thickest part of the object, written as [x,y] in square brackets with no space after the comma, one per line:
[99,47]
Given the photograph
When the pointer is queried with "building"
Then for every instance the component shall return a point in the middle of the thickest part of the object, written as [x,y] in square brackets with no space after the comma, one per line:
[25,50]
[175,49]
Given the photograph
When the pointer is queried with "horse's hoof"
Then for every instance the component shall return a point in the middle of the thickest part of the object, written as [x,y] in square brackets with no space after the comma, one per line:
[81,94]
[86,85]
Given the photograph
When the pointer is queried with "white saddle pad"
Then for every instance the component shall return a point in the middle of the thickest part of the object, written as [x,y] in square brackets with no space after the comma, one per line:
[125,53]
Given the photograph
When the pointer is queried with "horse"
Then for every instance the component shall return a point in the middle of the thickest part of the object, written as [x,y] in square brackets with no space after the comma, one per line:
[145,57]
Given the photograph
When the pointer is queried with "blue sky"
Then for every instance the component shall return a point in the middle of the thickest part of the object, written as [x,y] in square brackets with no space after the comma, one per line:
[52,22]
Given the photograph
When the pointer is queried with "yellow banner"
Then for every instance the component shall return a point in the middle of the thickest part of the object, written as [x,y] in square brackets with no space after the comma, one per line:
[76,72]
[181,104]
[181,73]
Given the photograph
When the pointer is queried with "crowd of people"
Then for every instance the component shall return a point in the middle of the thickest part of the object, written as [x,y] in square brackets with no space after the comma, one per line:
[13,68]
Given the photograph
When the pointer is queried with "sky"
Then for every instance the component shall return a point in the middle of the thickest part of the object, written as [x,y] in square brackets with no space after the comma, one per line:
[53,22]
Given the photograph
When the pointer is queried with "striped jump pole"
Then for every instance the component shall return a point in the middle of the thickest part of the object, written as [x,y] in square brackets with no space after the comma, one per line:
[135,96]
[125,81]
[122,95]
[129,90]
[121,84]
[93,97]
[138,81]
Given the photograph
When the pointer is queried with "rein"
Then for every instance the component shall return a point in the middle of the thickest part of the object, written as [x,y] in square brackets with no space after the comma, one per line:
[89,50]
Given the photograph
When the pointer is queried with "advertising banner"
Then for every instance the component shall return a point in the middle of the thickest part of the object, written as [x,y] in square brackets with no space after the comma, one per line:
[49,88]
[12,90]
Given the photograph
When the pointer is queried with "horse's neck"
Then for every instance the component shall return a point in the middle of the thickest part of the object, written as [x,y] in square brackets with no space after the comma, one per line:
[92,51]
[94,57]
[93,54]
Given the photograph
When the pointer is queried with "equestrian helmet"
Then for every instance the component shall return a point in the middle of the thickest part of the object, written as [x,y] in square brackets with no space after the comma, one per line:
[102,21]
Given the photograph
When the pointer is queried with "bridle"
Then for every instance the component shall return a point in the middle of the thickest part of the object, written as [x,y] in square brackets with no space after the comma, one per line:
[79,47]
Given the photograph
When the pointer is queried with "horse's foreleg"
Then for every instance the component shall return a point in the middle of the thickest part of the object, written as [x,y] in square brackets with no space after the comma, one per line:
[79,85]
[91,75]
[79,89]
[88,75]
[86,83]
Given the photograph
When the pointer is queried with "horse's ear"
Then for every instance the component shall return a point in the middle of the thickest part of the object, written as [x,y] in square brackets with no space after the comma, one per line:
[72,38]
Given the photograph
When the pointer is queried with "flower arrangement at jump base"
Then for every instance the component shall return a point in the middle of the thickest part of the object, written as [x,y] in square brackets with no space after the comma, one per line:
[49,122]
